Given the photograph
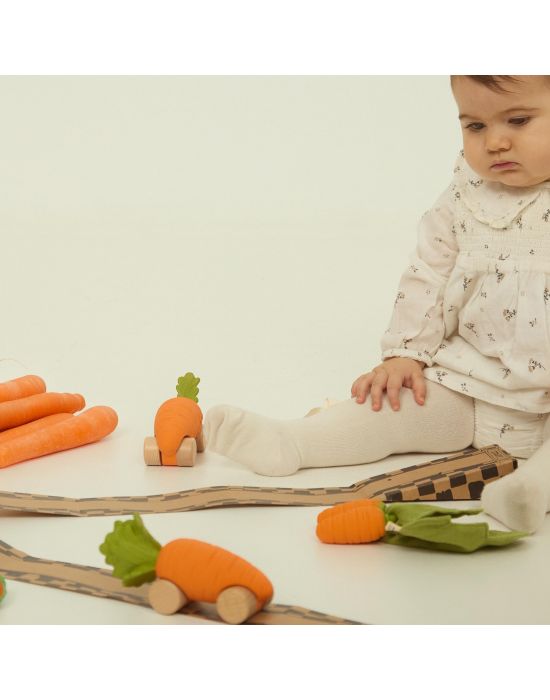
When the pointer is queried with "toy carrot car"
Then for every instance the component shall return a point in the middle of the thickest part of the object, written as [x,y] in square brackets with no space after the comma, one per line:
[178,428]
[185,570]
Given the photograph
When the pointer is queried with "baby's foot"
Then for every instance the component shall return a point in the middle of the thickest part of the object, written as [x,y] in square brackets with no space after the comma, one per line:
[264,444]
[517,500]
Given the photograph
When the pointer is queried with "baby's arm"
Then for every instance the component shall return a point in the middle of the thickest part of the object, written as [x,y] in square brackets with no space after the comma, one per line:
[417,326]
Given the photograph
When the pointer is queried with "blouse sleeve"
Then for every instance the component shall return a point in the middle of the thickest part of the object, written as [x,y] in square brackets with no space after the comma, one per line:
[417,327]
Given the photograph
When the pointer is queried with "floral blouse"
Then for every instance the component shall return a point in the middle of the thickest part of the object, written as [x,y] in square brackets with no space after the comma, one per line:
[474,304]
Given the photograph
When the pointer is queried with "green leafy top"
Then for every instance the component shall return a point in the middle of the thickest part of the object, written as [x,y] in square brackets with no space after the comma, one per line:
[188,387]
[131,551]
[432,527]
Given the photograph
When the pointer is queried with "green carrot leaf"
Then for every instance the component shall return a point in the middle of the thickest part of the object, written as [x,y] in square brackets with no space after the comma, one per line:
[188,387]
[131,551]
[407,513]
[439,532]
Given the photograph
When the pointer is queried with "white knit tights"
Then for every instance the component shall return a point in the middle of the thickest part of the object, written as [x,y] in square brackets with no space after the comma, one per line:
[351,433]
[346,433]
[522,499]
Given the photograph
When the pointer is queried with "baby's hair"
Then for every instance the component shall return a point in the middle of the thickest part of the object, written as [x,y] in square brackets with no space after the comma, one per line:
[495,82]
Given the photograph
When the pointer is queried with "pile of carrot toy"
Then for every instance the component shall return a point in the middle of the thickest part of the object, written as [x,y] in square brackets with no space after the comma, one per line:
[35,422]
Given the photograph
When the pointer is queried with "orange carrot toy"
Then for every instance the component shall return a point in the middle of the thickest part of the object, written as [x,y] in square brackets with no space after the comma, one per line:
[178,428]
[29,408]
[355,522]
[21,386]
[185,570]
[408,524]
[89,426]
[2,588]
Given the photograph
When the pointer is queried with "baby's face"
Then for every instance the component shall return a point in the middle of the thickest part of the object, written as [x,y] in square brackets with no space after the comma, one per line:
[511,128]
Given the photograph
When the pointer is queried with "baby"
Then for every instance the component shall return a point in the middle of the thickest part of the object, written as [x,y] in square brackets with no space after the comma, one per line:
[469,338]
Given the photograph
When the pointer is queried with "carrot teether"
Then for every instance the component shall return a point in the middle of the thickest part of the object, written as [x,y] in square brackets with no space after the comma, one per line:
[408,524]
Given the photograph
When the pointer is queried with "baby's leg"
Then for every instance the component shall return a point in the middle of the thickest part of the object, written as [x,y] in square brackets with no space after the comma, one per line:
[522,499]
[346,433]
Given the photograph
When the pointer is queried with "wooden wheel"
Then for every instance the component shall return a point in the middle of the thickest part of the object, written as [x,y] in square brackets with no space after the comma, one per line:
[187,451]
[151,452]
[165,597]
[200,442]
[236,604]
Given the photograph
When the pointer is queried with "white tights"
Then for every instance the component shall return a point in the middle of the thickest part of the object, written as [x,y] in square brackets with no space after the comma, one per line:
[351,433]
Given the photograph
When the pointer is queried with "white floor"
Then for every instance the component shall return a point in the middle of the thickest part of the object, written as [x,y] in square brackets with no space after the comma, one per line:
[367,583]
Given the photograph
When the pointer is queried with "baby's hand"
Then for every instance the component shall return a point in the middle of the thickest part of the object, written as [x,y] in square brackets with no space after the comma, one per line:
[392,374]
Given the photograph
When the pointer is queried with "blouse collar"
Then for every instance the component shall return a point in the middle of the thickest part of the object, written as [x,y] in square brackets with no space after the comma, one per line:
[492,202]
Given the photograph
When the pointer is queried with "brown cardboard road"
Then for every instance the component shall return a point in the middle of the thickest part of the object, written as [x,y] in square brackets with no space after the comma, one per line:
[458,477]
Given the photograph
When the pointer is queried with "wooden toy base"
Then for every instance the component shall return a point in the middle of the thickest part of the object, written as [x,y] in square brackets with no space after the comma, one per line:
[185,455]
[234,605]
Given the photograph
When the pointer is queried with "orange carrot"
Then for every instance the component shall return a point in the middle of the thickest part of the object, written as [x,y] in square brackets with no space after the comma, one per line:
[2,588]
[19,411]
[178,418]
[199,569]
[89,426]
[351,523]
[34,425]
[348,505]
[21,386]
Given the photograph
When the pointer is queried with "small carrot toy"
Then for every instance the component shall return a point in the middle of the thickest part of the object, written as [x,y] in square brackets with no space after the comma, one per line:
[89,426]
[178,428]
[20,387]
[185,570]
[408,524]
[355,522]
[30,408]
[2,588]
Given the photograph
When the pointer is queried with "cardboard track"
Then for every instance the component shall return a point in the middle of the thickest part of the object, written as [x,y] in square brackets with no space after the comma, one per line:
[460,477]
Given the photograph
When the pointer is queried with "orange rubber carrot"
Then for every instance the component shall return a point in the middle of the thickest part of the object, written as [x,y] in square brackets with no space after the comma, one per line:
[348,505]
[408,525]
[351,523]
[200,570]
[20,387]
[89,426]
[178,418]
[19,411]
[34,425]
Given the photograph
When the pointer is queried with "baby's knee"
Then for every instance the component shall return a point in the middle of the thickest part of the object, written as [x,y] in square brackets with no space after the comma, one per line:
[449,416]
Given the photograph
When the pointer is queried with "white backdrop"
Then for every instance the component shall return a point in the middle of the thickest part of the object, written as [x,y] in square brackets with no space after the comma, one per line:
[249,229]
